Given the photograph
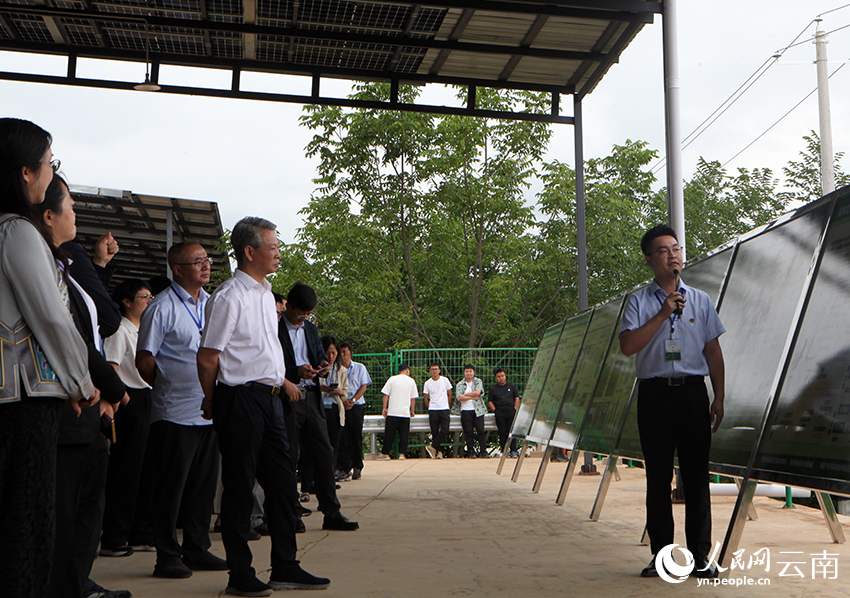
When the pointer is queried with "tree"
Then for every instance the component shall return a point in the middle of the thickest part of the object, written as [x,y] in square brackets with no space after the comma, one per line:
[803,177]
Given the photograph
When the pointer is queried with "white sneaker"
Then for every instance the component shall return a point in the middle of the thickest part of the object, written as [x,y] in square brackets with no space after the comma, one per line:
[439,455]
[382,457]
[432,452]
[401,457]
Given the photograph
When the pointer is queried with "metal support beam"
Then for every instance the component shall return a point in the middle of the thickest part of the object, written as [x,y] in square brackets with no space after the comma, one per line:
[581,235]
[519,461]
[828,509]
[541,471]
[568,476]
[249,40]
[609,473]
[752,513]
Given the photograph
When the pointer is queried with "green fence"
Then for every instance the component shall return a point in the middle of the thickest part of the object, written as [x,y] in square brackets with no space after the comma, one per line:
[515,361]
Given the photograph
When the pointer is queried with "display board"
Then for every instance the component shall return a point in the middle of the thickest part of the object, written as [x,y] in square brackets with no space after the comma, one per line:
[536,380]
[611,394]
[760,300]
[563,365]
[808,433]
[707,274]
[580,389]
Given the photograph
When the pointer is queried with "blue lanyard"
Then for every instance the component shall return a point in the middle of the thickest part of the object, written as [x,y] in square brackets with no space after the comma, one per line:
[673,317]
[199,324]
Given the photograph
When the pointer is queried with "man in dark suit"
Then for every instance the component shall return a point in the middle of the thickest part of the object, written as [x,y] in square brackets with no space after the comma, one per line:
[305,359]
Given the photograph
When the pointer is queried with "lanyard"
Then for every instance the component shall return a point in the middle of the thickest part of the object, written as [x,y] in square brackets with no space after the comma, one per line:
[673,317]
[198,323]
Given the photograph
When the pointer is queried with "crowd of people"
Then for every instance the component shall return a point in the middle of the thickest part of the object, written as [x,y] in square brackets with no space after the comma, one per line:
[126,416]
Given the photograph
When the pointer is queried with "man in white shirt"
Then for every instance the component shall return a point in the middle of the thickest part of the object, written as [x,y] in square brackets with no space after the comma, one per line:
[437,393]
[399,395]
[182,443]
[241,368]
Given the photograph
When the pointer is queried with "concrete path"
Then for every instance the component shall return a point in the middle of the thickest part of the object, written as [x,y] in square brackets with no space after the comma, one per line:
[452,527]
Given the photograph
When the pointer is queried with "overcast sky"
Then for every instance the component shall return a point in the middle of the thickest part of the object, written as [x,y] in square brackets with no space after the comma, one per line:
[249,156]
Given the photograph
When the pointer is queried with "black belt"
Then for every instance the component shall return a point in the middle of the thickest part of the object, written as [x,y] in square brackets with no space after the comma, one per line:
[264,388]
[680,381]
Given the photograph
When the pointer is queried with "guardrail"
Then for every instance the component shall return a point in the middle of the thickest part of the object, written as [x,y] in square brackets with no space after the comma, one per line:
[374,425]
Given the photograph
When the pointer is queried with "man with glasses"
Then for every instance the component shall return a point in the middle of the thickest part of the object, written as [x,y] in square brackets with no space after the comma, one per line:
[305,360]
[182,442]
[673,329]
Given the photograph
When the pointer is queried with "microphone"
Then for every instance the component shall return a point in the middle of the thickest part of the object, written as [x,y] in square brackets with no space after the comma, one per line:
[678,310]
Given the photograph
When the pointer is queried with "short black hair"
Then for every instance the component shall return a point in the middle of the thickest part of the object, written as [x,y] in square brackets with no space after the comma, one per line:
[498,371]
[302,296]
[277,297]
[345,345]
[469,366]
[403,367]
[435,364]
[662,230]
[127,289]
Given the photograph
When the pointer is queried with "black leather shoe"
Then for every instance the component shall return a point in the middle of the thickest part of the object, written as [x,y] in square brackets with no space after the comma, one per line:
[248,587]
[253,535]
[173,568]
[649,570]
[295,578]
[300,528]
[206,561]
[703,569]
[262,529]
[339,522]
[304,511]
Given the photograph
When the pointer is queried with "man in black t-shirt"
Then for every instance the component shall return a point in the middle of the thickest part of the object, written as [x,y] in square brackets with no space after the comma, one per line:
[504,400]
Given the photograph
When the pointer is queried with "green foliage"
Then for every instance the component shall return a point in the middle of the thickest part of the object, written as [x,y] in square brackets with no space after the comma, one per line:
[803,177]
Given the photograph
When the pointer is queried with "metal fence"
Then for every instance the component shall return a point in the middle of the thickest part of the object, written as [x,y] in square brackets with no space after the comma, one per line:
[515,361]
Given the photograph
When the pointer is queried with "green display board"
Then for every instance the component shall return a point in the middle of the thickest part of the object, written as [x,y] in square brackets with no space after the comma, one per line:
[536,381]
[580,389]
[613,388]
[563,365]
[808,433]
[760,300]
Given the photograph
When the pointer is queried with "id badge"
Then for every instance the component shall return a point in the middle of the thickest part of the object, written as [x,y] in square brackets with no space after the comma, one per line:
[672,350]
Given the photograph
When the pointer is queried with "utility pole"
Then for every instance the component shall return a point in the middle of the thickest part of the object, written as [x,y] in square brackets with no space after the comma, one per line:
[827,157]
[675,185]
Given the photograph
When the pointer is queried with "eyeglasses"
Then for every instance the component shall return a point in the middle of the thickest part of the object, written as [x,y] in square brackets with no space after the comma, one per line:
[55,163]
[665,251]
[198,263]
[145,298]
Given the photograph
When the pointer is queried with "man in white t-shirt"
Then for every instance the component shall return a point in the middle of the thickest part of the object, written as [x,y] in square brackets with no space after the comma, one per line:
[438,396]
[399,395]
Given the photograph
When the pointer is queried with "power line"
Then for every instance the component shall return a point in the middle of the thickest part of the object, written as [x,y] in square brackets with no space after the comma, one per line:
[736,95]
[808,95]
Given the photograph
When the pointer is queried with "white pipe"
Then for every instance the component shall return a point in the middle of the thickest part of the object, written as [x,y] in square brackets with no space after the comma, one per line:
[761,490]
[675,178]
[827,156]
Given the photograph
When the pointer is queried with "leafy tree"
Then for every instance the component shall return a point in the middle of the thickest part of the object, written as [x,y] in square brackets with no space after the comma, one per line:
[803,177]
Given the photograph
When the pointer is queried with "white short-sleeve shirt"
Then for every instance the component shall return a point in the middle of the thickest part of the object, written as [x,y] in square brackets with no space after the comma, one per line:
[437,391]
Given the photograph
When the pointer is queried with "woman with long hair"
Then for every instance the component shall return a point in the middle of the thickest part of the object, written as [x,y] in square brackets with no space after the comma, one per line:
[45,363]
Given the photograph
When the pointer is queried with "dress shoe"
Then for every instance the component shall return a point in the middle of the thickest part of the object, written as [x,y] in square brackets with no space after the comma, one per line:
[649,570]
[124,550]
[253,535]
[262,529]
[300,528]
[172,568]
[248,587]
[339,522]
[206,561]
[293,577]
[483,456]
[304,511]
[703,569]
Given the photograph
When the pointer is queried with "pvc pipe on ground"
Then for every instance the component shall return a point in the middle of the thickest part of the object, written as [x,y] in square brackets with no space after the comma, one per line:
[761,490]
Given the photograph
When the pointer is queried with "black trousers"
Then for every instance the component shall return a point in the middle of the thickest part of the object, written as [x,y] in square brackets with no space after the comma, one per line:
[469,422]
[251,431]
[306,427]
[186,472]
[676,418]
[504,421]
[334,429]
[126,457]
[439,421]
[396,426]
[351,440]
[29,430]
[80,482]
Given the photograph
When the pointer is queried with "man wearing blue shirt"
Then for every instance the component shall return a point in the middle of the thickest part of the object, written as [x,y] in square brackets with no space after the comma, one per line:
[351,442]
[182,442]
[674,330]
